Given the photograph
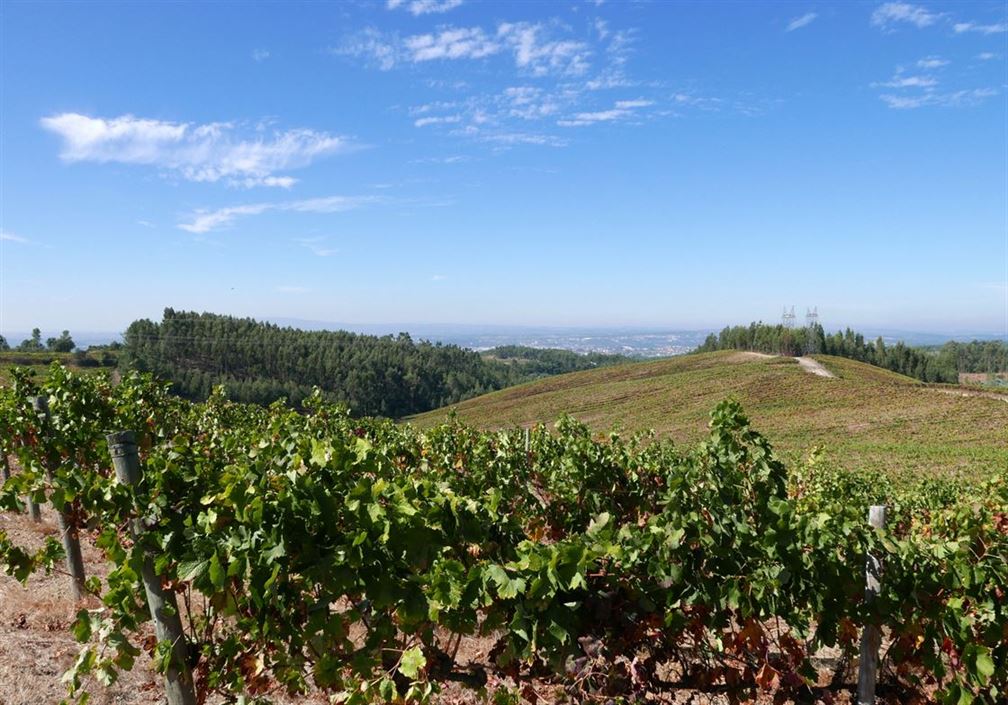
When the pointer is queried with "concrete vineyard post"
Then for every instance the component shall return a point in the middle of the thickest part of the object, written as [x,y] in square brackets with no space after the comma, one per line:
[65,521]
[4,468]
[163,605]
[871,637]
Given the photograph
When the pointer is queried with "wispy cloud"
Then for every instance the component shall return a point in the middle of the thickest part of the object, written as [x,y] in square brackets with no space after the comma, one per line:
[892,13]
[934,98]
[8,236]
[452,43]
[901,81]
[203,221]
[437,120]
[369,43]
[260,55]
[424,7]
[317,246]
[540,55]
[438,278]
[932,62]
[799,22]
[622,110]
[987,56]
[209,152]
[997,28]
[292,289]
[529,44]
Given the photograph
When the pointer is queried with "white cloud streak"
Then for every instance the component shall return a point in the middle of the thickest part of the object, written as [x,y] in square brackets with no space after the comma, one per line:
[932,62]
[204,221]
[207,153]
[799,22]
[442,120]
[317,246]
[622,110]
[900,81]
[893,12]
[452,43]
[933,98]
[7,236]
[424,7]
[997,28]
[527,43]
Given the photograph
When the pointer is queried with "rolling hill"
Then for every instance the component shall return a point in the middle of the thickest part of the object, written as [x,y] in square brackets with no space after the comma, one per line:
[865,418]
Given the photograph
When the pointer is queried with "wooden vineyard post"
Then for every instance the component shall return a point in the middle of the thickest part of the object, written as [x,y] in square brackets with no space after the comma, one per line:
[4,468]
[528,440]
[871,637]
[163,605]
[69,532]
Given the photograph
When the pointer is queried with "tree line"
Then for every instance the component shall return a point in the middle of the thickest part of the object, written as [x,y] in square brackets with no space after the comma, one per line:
[63,344]
[391,376]
[929,364]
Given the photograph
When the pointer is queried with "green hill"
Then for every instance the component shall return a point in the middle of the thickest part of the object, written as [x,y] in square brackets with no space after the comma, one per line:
[865,418]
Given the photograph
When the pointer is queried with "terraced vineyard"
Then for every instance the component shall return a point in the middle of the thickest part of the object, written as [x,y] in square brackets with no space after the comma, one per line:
[865,418]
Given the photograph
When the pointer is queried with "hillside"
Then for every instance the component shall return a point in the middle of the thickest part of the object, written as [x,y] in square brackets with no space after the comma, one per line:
[865,418]
[392,376]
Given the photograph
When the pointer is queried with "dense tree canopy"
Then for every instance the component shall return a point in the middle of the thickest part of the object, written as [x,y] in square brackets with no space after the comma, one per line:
[32,344]
[389,375]
[64,343]
[929,364]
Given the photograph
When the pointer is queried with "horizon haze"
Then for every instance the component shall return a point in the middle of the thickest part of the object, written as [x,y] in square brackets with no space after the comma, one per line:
[678,166]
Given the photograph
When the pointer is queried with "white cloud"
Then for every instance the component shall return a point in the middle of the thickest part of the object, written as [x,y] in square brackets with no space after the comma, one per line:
[424,7]
[621,110]
[543,56]
[452,43]
[900,81]
[932,62]
[204,221]
[987,56]
[799,22]
[510,139]
[932,98]
[893,12]
[209,152]
[442,120]
[317,246]
[372,44]
[145,223]
[7,236]
[438,278]
[998,28]
[532,50]
[260,55]
[602,27]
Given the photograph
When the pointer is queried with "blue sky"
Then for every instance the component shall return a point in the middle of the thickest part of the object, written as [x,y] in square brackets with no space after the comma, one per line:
[565,163]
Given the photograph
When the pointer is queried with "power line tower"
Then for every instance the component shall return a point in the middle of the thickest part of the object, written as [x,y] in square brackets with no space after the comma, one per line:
[811,324]
[788,317]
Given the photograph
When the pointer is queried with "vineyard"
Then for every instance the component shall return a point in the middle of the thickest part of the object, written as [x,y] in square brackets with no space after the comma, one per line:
[313,552]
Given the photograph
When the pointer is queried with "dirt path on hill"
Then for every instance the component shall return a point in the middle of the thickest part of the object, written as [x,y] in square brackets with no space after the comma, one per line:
[814,367]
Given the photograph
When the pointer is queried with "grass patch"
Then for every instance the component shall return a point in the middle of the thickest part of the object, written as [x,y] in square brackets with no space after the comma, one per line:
[866,418]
